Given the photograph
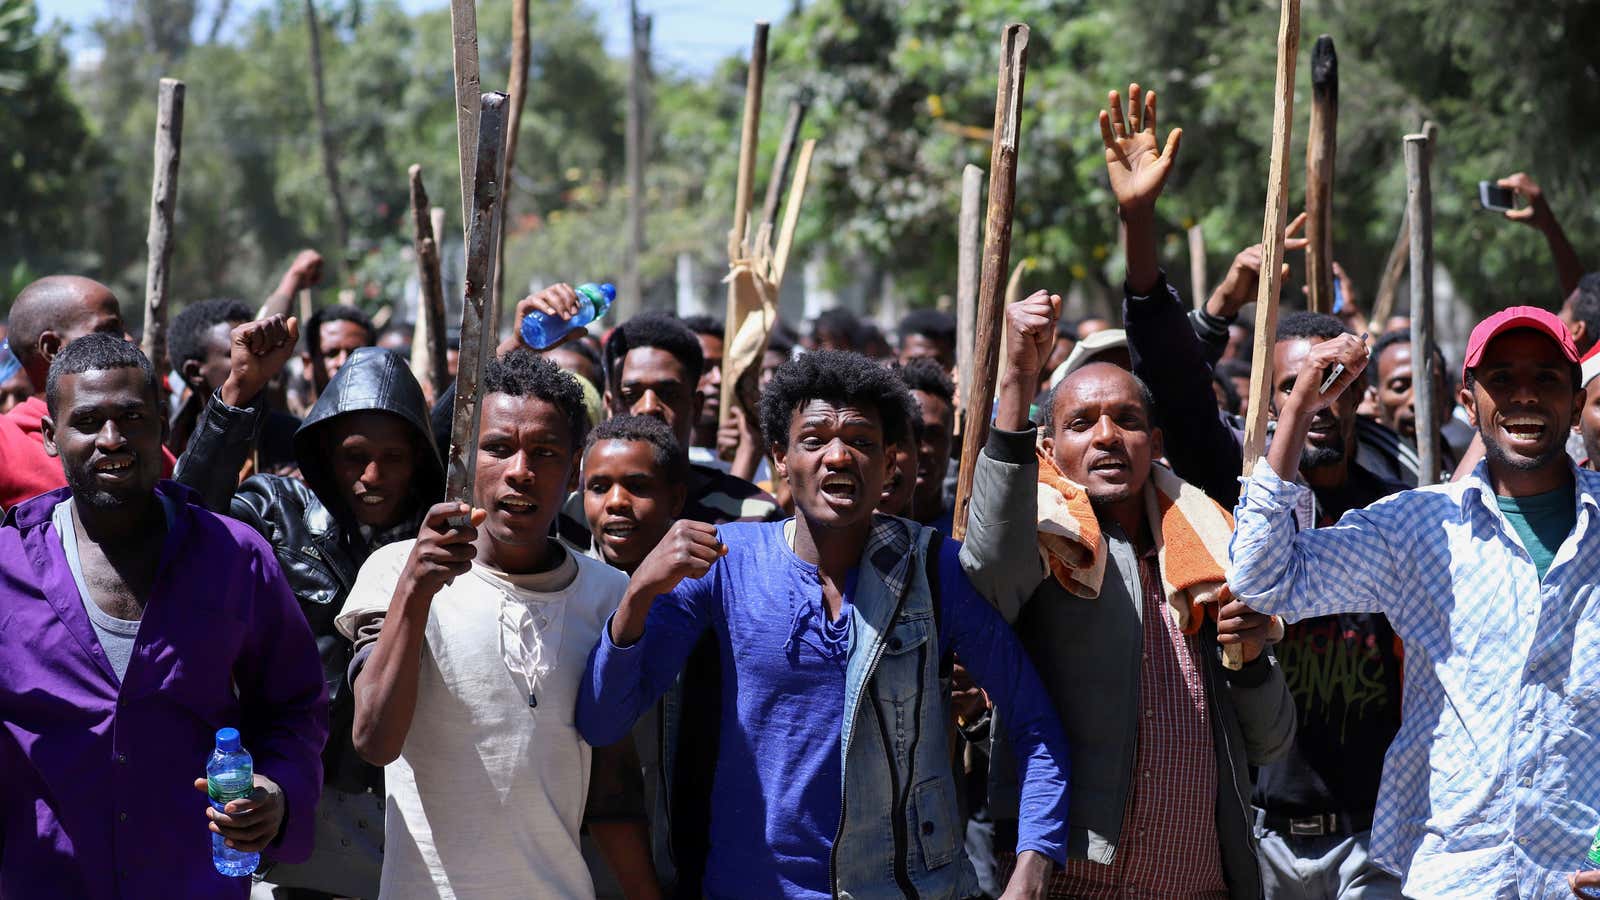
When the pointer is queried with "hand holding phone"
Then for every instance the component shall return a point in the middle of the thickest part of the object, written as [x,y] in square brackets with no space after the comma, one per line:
[1495,198]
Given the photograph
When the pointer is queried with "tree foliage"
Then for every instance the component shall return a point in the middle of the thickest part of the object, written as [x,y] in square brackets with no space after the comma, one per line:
[902,97]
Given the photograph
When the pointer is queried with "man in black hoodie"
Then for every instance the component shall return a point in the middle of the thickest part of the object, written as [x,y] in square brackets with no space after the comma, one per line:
[370,471]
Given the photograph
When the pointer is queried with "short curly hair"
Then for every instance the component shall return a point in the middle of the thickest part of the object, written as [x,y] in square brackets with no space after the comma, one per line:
[836,376]
[186,337]
[95,353]
[669,455]
[523,373]
[929,377]
[660,331]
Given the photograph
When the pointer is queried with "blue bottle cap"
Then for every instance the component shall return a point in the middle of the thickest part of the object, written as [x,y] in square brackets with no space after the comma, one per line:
[228,740]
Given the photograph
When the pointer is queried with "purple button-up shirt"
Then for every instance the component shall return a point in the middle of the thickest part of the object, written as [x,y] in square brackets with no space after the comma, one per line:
[97,796]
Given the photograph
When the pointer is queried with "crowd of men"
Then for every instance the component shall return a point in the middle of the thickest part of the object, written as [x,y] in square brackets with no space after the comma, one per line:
[670,652]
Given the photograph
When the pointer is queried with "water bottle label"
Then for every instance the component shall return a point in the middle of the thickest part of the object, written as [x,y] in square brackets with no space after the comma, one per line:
[224,791]
[1593,856]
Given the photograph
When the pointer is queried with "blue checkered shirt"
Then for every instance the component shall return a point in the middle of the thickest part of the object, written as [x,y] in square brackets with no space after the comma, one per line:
[1492,786]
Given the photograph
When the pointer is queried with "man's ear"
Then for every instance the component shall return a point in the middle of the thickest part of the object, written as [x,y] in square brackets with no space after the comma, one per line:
[190,373]
[614,405]
[1048,445]
[305,360]
[576,474]
[1470,404]
[779,465]
[50,344]
[1158,444]
[47,430]
[1578,401]
[677,496]
[1579,328]
[697,403]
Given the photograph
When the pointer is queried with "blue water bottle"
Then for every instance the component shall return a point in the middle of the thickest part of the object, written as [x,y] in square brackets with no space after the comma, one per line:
[230,776]
[539,330]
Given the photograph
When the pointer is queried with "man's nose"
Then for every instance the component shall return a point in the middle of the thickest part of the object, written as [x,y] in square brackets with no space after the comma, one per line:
[649,404]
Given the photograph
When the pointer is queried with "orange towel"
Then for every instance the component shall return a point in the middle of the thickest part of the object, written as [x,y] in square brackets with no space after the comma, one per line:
[1190,530]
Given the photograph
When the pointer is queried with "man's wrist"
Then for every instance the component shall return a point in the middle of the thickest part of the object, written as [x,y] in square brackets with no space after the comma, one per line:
[237,393]
[1139,216]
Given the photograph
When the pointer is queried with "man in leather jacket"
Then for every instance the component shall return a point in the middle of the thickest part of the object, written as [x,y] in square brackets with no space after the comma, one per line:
[370,472]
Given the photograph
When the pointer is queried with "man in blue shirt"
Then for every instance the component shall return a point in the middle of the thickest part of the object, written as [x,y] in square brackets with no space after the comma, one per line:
[835,609]
[1492,784]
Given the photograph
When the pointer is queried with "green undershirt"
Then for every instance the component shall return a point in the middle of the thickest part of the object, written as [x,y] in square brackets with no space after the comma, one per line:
[1543,521]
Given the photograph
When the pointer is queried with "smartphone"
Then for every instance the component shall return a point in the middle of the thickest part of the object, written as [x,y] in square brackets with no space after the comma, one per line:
[1495,198]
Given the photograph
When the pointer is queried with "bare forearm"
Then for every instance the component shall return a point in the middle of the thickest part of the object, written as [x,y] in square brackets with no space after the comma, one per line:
[386,688]
[1016,395]
[1144,266]
[1283,455]
[746,460]
[626,848]
[1568,267]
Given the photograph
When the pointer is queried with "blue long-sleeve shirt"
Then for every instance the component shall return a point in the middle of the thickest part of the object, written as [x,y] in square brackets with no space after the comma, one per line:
[777,790]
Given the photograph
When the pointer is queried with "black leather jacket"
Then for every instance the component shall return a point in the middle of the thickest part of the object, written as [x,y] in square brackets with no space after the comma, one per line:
[315,538]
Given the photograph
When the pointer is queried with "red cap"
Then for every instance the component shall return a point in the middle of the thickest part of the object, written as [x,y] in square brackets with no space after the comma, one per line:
[1517,317]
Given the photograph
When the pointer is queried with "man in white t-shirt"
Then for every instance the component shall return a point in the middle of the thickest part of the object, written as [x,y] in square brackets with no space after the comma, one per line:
[470,643]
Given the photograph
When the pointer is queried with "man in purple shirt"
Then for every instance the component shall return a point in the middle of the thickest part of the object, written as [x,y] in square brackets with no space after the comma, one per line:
[133,625]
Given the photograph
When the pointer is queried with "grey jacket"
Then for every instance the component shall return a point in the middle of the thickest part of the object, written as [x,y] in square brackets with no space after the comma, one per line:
[1088,653]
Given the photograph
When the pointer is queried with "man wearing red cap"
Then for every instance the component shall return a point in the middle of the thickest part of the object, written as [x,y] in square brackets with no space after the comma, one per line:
[1492,786]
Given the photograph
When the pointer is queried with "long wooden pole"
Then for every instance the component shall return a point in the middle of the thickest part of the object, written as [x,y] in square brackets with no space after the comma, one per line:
[748,135]
[738,247]
[969,266]
[518,91]
[631,299]
[163,209]
[1320,146]
[1419,211]
[330,158]
[464,58]
[1395,266]
[1197,266]
[428,349]
[1255,433]
[996,262]
[781,166]
[477,339]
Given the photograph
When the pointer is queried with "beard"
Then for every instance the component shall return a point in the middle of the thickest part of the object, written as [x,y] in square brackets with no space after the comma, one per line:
[87,491]
[1312,457]
[1499,455]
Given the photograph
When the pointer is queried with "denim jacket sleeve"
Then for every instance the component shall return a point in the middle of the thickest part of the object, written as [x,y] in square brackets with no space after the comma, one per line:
[217,450]
[1171,358]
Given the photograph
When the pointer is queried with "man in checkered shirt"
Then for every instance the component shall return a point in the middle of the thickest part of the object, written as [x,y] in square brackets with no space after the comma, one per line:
[1492,786]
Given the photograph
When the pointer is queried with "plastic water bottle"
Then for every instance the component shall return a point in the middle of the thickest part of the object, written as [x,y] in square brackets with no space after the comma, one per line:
[1591,861]
[230,775]
[9,364]
[540,330]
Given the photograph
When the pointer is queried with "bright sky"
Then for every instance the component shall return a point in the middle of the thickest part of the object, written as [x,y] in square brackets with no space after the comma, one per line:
[688,34]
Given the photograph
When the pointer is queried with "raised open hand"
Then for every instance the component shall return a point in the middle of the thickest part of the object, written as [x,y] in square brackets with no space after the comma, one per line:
[1138,164]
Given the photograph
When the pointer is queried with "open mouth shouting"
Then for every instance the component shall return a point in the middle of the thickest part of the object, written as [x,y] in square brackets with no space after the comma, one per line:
[516,506]
[838,487]
[617,531]
[1112,466]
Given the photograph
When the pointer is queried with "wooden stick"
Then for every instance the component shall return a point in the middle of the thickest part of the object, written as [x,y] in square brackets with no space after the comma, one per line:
[1320,145]
[1395,266]
[477,339]
[330,157]
[1272,236]
[1197,266]
[791,213]
[1419,212]
[996,260]
[428,346]
[519,98]
[163,209]
[307,307]
[630,299]
[782,163]
[969,265]
[464,58]
[747,141]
